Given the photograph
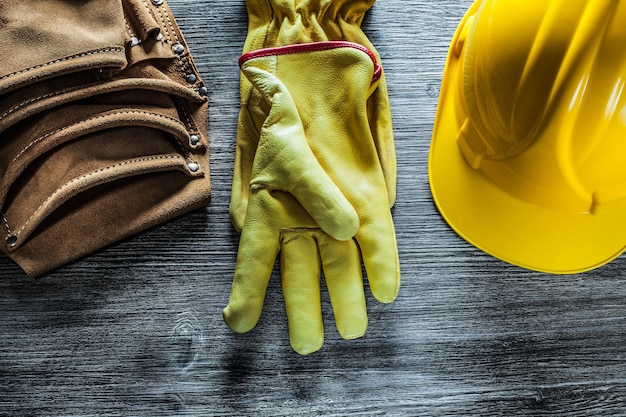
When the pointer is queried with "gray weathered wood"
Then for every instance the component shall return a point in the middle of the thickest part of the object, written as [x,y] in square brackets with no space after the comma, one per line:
[136,329]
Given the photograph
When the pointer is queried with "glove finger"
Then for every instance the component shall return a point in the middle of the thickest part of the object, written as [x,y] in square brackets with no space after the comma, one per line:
[377,241]
[300,275]
[285,160]
[341,262]
[258,248]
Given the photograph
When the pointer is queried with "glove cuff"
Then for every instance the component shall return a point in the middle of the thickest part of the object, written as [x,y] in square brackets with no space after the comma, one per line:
[312,47]
[278,22]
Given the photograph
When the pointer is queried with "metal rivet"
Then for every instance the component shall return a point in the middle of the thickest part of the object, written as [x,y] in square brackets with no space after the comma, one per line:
[11,241]
[157,2]
[191,78]
[178,49]
[193,167]
[203,91]
[194,140]
[134,41]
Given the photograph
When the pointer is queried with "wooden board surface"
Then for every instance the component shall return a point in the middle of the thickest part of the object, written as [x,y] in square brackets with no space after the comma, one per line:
[136,329]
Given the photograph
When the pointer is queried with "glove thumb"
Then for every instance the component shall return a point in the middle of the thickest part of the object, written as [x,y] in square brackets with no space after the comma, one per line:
[285,161]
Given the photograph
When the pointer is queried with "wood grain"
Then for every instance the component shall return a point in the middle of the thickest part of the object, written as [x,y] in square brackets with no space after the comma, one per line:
[136,329]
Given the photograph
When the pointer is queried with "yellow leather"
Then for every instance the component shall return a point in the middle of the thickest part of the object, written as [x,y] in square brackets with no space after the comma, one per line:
[317,191]
[277,23]
[526,157]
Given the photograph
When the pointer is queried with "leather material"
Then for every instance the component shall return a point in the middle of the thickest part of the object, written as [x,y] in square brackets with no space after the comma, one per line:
[315,170]
[276,23]
[46,39]
[97,146]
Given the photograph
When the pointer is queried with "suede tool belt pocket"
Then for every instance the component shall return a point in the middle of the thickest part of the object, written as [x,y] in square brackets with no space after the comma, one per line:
[151,54]
[100,138]
[57,203]
[55,37]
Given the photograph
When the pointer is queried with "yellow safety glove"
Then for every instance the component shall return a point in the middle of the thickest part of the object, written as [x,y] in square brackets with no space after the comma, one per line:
[314,167]
[275,23]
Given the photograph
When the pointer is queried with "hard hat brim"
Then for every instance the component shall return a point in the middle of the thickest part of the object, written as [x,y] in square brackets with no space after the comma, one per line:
[506,227]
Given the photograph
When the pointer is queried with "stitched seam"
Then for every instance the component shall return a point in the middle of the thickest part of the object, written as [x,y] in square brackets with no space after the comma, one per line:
[182,149]
[32,100]
[47,135]
[151,13]
[56,61]
[167,24]
[169,19]
[188,120]
[183,61]
[74,180]
[128,28]
[187,117]
[163,25]
[6,224]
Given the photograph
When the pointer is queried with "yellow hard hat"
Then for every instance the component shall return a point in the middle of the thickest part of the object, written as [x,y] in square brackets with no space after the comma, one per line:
[528,155]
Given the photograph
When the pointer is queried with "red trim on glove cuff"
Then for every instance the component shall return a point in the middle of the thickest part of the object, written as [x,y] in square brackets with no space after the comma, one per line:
[312,47]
